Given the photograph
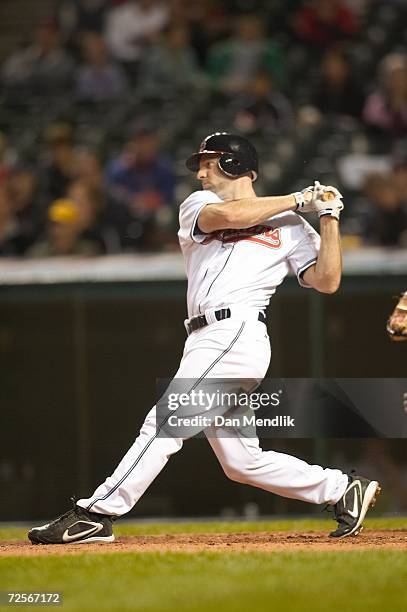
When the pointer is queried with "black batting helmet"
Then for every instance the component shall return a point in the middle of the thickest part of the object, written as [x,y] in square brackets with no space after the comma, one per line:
[237,155]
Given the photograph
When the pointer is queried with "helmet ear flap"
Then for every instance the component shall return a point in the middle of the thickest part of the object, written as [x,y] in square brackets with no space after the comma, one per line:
[235,164]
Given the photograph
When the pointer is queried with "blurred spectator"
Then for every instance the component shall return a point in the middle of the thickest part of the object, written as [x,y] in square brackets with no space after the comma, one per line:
[26,204]
[354,168]
[142,180]
[322,23]
[6,158]
[386,108]
[142,175]
[232,63]
[129,28]
[114,217]
[92,220]
[61,162]
[399,177]
[20,213]
[207,21]
[263,108]
[385,223]
[337,91]
[63,235]
[89,168]
[99,78]
[170,65]
[75,16]
[41,68]
[8,224]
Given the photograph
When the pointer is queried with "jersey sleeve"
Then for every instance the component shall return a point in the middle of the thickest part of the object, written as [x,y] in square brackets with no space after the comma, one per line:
[305,254]
[189,213]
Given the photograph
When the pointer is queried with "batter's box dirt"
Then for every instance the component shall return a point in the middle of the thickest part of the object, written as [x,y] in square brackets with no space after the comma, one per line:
[220,542]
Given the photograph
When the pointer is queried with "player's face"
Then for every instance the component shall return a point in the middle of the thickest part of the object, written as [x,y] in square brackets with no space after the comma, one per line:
[210,175]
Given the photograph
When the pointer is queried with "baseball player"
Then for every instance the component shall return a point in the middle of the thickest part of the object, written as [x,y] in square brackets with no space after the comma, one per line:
[237,249]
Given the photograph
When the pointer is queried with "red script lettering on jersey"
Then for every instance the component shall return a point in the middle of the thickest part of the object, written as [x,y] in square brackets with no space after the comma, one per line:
[261,234]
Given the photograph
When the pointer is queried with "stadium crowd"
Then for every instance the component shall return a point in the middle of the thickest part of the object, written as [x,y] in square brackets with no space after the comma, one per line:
[68,196]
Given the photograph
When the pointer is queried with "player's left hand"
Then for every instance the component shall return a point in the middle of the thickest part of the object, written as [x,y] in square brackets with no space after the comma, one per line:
[305,199]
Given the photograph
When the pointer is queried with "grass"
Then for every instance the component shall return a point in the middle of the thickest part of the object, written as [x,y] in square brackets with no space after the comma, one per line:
[154,582]
[298,581]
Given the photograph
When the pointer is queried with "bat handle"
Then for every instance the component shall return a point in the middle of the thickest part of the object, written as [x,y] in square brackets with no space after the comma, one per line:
[328,195]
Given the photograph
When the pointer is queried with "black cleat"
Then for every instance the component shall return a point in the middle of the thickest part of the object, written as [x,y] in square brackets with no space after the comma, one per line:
[76,526]
[351,509]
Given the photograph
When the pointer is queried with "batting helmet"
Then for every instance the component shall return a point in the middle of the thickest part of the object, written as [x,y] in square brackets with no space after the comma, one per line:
[237,155]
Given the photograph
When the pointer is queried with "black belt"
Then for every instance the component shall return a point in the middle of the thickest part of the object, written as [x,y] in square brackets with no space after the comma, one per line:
[224,313]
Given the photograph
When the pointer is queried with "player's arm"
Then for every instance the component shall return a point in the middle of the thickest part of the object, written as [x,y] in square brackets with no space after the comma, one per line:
[246,212]
[238,214]
[325,274]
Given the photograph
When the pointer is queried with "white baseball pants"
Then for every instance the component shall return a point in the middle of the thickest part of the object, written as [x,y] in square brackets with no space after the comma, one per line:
[232,348]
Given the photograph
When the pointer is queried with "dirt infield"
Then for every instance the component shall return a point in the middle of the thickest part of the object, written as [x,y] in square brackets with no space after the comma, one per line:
[227,542]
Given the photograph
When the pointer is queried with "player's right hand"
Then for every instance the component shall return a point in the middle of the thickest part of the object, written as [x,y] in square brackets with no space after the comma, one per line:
[304,199]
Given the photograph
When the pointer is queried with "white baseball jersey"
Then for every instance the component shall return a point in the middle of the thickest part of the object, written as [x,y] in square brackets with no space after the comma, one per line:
[241,267]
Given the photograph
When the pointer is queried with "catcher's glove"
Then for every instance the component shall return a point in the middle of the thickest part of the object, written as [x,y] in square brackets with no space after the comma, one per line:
[397,322]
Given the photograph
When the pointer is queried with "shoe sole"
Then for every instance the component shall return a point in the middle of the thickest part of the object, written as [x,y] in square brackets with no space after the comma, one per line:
[369,499]
[106,540]
[102,540]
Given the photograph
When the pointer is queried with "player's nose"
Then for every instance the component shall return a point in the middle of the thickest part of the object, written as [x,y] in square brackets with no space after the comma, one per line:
[201,174]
